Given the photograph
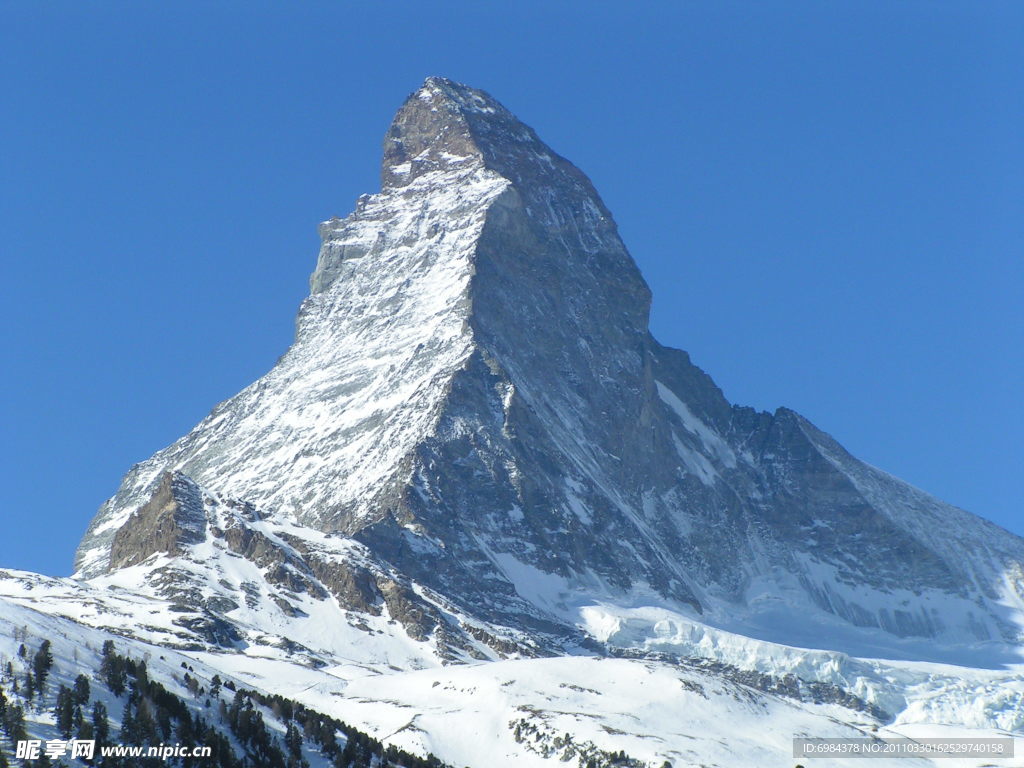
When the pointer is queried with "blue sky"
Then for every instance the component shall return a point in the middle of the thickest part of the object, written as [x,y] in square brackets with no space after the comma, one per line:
[825,198]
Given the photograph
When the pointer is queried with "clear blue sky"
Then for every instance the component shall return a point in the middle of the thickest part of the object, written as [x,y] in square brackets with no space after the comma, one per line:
[826,199]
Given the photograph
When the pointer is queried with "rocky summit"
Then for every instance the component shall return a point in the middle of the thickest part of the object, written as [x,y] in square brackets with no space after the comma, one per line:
[475,450]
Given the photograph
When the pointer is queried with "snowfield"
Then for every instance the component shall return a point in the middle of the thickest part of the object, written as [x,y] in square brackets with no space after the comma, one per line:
[670,709]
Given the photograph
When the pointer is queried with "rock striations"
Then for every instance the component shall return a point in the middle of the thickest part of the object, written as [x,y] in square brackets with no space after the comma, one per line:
[474,404]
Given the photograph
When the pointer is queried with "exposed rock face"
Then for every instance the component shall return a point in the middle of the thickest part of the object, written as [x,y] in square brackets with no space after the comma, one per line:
[170,520]
[474,395]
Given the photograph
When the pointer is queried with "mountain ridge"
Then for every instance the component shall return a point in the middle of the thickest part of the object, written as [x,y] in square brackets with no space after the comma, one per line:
[474,394]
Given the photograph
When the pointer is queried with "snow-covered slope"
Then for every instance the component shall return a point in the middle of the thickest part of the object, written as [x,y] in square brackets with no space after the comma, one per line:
[475,452]
[321,437]
[167,700]
[688,710]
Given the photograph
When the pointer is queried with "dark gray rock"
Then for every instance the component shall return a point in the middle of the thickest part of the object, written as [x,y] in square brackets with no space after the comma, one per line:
[171,519]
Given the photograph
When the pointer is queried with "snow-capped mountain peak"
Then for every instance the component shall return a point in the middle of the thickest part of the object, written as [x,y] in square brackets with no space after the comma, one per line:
[473,394]
[475,449]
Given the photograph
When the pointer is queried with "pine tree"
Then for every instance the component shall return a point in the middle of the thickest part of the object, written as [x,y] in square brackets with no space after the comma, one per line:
[15,723]
[83,728]
[293,739]
[128,730]
[42,662]
[112,669]
[81,690]
[100,723]
[64,711]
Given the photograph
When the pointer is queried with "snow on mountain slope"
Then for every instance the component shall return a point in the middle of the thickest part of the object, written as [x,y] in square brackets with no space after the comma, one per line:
[264,587]
[653,711]
[166,700]
[908,692]
[277,628]
[994,566]
[244,601]
[527,712]
[329,427]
